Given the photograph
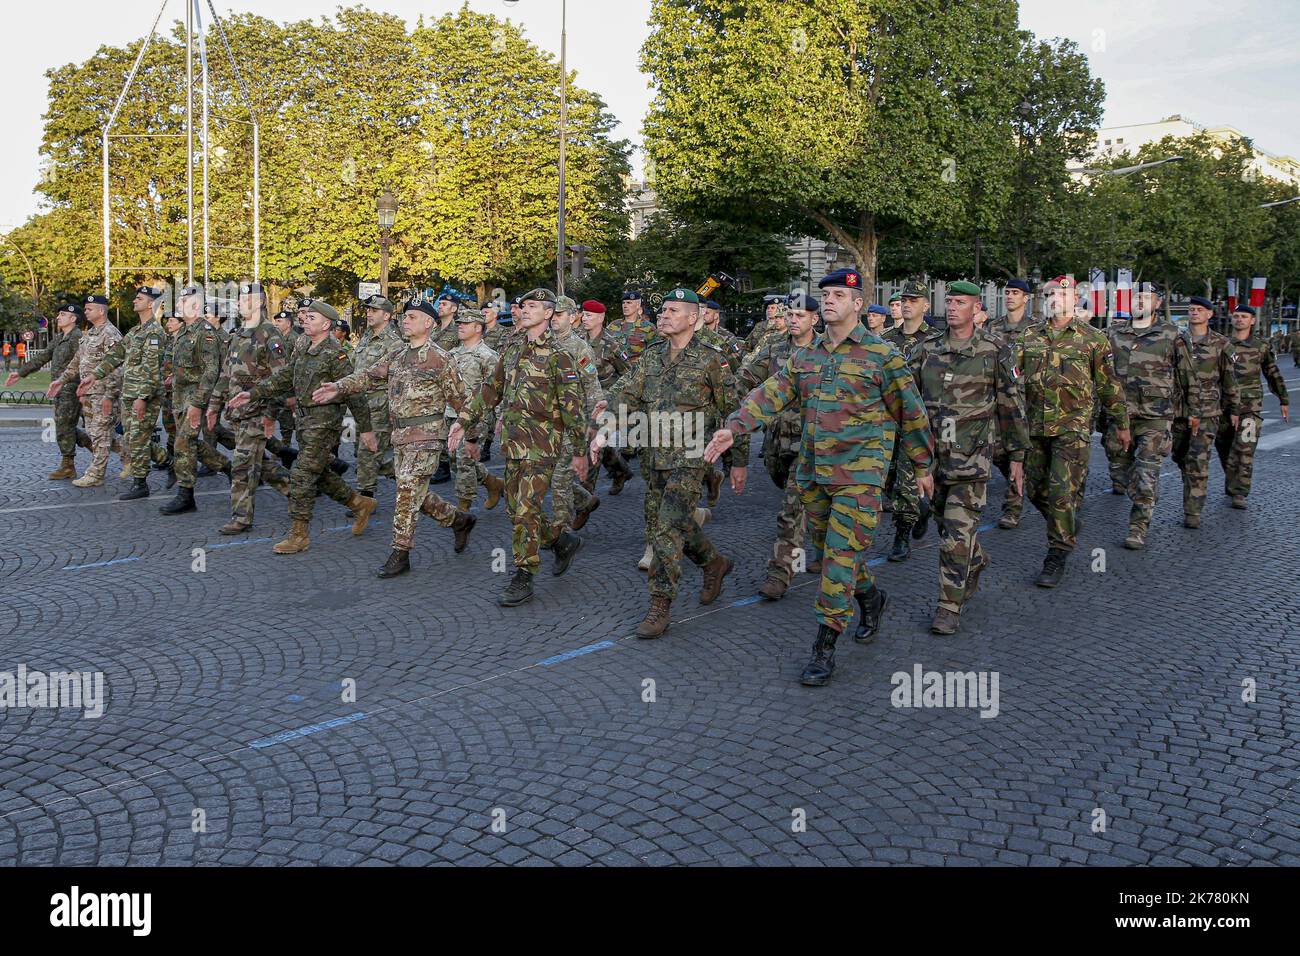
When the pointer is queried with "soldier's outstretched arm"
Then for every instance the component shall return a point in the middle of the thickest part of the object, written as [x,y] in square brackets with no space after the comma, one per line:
[112,360]
[765,402]
[1273,375]
[278,384]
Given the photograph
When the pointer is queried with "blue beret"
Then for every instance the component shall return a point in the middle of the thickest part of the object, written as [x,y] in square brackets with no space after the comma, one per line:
[1021,284]
[1203,302]
[802,301]
[877,310]
[631,295]
[1244,308]
[842,279]
[710,304]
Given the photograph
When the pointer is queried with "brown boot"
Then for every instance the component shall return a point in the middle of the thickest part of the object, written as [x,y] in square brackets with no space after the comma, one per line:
[363,508]
[464,504]
[773,588]
[945,622]
[66,470]
[714,572]
[713,481]
[656,619]
[462,526]
[495,488]
[580,519]
[297,540]
[233,526]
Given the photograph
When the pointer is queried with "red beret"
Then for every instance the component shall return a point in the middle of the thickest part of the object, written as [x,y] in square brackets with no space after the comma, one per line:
[591,305]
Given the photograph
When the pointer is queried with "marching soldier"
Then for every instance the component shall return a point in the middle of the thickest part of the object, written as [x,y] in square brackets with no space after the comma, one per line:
[216,433]
[195,369]
[773,305]
[377,342]
[781,438]
[732,356]
[320,424]
[67,409]
[474,361]
[1239,432]
[571,502]
[422,383]
[855,396]
[253,354]
[1192,448]
[538,390]
[969,382]
[98,399]
[1065,361]
[496,336]
[1294,346]
[911,512]
[1153,363]
[633,328]
[283,412]
[140,356]
[684,389]
[612,361]
[1008,328]
[171,326]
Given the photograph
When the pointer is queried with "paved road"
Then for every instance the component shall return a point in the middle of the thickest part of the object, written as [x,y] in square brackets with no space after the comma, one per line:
[1120,693]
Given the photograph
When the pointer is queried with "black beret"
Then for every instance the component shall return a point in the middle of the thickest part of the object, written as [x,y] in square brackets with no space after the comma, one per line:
[285,314]
[150,292]
[422,306]
[802,301]
[1245,308]
[1021,284]
[72,307]
[1203,302]
[250,288]
[96,300]
[842,279]
[631,295]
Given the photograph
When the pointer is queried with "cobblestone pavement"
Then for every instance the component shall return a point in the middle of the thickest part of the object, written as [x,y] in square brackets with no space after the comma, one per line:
[487,735]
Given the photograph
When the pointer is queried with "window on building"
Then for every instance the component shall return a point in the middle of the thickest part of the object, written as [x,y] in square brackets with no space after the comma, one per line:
[1107,142]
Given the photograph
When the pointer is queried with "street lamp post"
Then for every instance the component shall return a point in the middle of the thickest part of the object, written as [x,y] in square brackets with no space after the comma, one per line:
[387,207]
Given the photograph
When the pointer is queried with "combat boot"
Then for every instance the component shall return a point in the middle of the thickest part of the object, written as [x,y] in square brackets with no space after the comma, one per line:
[183,502]
[584,513]
[713,481]
[1053,568]
[66,470]
[297,540]
[89,480]
[821,665]
[902,541]
[139,489]
[774,588]
[621,477]
[399,562]
[656,618]
[1009,520]
[922,523]
[871,607]
[363,508]
[1191,521]
[945,622]
[338,466]
[566,546]
[644,563]
[461,528]
[519,590]
[714,572]
[233,526]
[1136,540]
[443,474]
[495,486]
[1238,501]
[288,456]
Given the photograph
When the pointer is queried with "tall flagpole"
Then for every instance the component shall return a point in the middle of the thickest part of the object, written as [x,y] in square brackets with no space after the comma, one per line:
[564,118]
[189,140]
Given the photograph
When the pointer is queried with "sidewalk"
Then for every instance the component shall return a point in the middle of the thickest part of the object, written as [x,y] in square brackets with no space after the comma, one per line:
[25,416]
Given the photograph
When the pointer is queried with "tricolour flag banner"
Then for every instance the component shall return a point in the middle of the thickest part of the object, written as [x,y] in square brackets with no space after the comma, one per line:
[1232,295]
[1257,285]
[1097,279]
[1124,291]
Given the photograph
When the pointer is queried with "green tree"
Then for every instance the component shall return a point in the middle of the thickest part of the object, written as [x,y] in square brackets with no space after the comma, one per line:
[852,120]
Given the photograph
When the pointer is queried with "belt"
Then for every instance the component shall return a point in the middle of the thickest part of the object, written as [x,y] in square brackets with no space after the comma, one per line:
[416,420]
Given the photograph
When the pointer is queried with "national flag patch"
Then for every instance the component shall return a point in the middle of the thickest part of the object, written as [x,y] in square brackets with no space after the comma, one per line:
[588,366]
[1015,373]
[570,376]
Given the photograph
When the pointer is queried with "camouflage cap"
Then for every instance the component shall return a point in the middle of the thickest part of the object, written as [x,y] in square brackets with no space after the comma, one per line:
[538,295]
[564,304]
[378,302]
[914,289]
[470,314]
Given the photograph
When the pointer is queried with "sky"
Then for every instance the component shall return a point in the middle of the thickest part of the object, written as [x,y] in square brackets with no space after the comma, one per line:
[1215,62]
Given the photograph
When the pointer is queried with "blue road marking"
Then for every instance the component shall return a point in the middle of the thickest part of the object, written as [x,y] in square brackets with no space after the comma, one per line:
[98,564]
[307,731]
[235,544]
[570,655]
[749,600]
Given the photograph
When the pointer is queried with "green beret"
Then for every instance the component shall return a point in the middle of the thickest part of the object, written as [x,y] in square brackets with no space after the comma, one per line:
[682,295]
[539,295]
[564,304]
[896,297]
[321,307]
[963,288]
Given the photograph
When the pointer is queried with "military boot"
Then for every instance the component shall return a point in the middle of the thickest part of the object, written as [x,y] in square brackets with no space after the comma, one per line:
[297,540]
[338,466]
[871,607]
[1238,501]
[363,508]
[462,504]
[1053,568]
[1191,521]
[713,481]
[139,489]
[945,622]
[902,541]
[821,665]
[519,590]
[495,486]
[443,474]
[461,528]
[566,546]
[234,526]
[91,479]
[1137,538]
[584,513]
[774,588]
[620,474]
[656,618]
[973,577]
[68,469]
[183,502]
[1009,520]
[399,562]
[288,456]
[714,572]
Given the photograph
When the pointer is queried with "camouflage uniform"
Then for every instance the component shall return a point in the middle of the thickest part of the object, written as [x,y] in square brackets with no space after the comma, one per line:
[855,398]
[1236,445]
[1013,502]
[195,369]
[781,438]
[539,395]
[320,425]
[446,339]
[612,361]
[421,385]
[1154,364]
[1062,368]
[95,344]
[168,415]
[283,414]
[253,355]
[220,435]
[140,356]
[973,399]
[473,366]
[636,335]
[755,336]
[1218,389]
[568,495]
[67,408]
[696,388]
[371,350]
[904,499]
[1294,346]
